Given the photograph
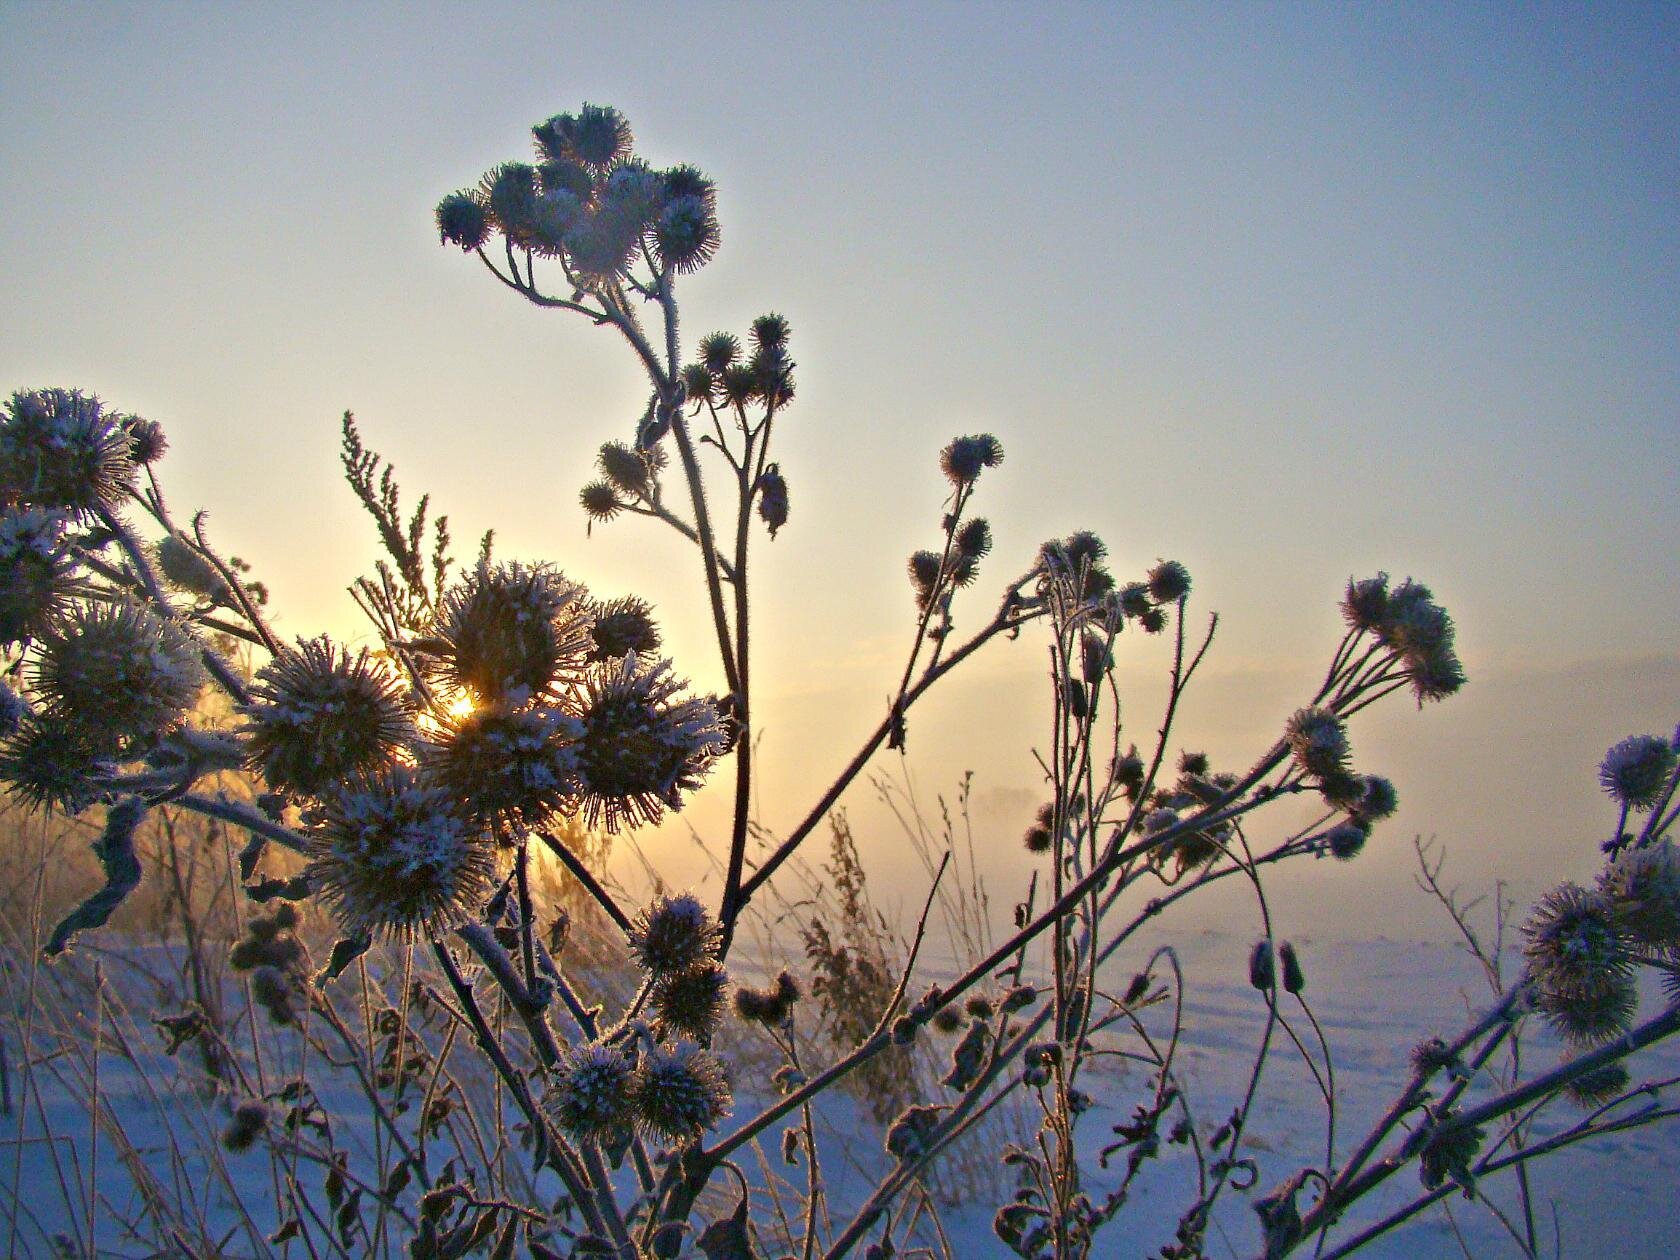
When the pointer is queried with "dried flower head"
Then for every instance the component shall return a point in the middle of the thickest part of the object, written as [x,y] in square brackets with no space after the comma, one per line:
[1346,839]
[1041,835]
[1262,967]
[512,631]
[770,332]
[718,350]
[597,135]
[1572,940]
[249,1120]
[630,470]
[924,570]
[1635,771]
[620,627]
[1579,964]
[1168,582]
[1595,1088]
[118,669]
[393,858]
[601,246]
[1294,980]
[319,715]
[509,194]
[947,1019]
[673,935]
[590,1095]
[697,383]
[462,220]
[1590,1016]
[772,1007]
[187,569]
[680,1092]
[1447,1149]
[1365,606]
[600,501]
[966,457]
[1642,887]
[60,448]
[35,571]
[513,768]
[686,234]
[146,440]
[52,763]
[642,743]
[773,498]
[1421,633]
[1377,799]
[690,1003]
[1319,741]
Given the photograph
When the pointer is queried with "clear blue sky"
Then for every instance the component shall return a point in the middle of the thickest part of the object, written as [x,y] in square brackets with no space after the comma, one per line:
[1287,292]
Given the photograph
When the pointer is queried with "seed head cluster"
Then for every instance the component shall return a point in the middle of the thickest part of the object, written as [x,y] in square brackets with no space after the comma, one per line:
[319,716]
[393,858]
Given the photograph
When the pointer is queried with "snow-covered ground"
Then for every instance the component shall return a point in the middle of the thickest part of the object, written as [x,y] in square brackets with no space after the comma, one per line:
[1374,999]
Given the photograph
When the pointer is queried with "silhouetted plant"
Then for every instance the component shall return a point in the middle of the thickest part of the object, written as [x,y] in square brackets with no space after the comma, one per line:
[505,708]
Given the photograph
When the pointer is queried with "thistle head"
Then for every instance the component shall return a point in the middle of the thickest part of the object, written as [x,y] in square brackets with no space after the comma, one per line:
[1319,742]
[319,715]
[392,857]
[1579,965]
[718,350]
[642,743]
[630,470]
[1077,562]
[146,440]
[1642,887]
[690,1003]
[1041,837]
[672,935]
[248,1123]
[511,768]
[773,498]
[60,448]
[1168,582]
[54,763]
[1377,798]
[600,501]
[36,571]
[924,567]
[1346,839]
[512,631]
[590,1095]
[187,569]
[772,1007]
[117,668]
[965,458]
[462,220]
[597,136]
[770,332]
[1421,633]
[1635,771]
[686,234]
[623,626]
[680,1092]
[1365,606]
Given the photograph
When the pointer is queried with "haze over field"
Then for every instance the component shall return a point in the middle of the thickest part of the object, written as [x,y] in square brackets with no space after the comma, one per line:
[1284,293]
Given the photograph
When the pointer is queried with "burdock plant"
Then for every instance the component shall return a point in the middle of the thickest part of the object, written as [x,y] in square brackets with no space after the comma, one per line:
[500,712]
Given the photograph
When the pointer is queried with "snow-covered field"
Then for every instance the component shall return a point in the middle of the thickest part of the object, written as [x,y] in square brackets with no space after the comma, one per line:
[1375,1000]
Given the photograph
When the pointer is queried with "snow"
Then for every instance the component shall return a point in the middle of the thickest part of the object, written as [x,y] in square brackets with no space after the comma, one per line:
[1374,999]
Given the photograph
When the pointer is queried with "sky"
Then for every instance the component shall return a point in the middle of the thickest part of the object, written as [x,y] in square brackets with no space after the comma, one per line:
[1287,293]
